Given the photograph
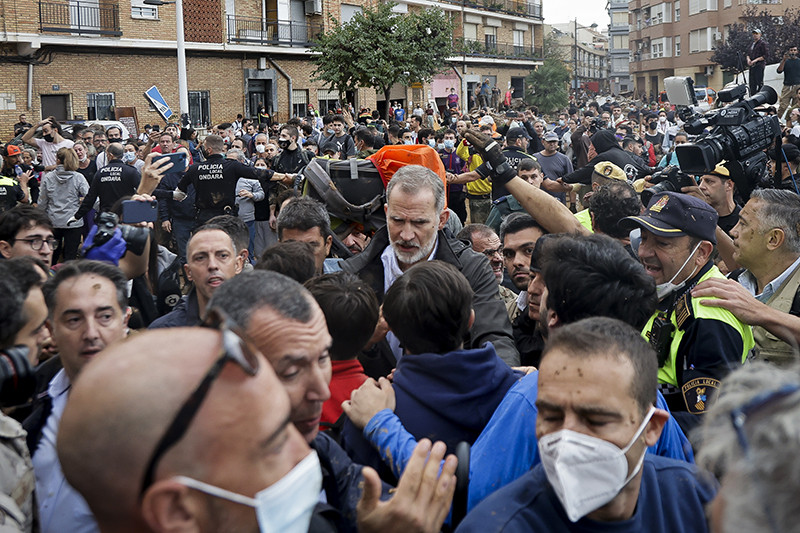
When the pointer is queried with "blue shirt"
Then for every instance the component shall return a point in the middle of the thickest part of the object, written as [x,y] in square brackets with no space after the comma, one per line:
[672,499]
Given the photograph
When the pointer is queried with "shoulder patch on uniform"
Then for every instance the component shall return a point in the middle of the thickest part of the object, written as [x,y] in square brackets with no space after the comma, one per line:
[683,310]
[696,394]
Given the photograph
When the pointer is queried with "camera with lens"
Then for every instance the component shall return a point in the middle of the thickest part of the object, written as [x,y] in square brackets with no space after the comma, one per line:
[17,378]
[737,134]
[669,179]
[597,124]
[135,237]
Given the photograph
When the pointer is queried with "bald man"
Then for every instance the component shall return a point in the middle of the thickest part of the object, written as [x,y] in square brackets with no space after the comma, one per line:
[224,454]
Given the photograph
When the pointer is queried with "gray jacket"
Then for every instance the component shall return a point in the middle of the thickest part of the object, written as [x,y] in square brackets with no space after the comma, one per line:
[60,195]
[247,206]
[16,479]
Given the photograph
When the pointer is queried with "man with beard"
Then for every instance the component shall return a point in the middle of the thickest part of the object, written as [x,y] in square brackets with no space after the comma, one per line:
[415,218]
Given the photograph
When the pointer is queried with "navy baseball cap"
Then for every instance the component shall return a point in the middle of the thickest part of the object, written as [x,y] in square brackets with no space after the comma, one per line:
[515,133]
[673,214]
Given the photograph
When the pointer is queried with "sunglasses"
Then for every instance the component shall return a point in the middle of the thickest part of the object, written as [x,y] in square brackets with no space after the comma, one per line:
[234,349]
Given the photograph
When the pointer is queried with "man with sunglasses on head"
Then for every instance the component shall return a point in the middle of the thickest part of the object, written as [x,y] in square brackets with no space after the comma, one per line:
[216,451]
[88,310]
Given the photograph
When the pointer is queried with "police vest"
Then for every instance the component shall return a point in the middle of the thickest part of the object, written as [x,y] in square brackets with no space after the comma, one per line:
[681,317]
[585,218]
[768,346]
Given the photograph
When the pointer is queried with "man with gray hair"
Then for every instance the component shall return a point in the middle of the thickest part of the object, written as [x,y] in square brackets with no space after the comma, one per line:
[415,219]
[306,220]
[110,183]
[767,296]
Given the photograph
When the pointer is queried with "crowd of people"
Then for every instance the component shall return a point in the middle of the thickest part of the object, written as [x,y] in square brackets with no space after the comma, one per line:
[191,340]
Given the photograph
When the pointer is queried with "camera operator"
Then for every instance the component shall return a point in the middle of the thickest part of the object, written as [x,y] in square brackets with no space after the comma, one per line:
[608,150]
[22,312]
[581,139]
[716,189]
[767,295]
[634,145]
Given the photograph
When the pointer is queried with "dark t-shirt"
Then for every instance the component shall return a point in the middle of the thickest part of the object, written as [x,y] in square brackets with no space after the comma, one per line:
[791,72]
[729,221]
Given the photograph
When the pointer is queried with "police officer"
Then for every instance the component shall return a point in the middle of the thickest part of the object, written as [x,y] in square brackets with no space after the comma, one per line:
[110,183]
[696,345]
[215,180]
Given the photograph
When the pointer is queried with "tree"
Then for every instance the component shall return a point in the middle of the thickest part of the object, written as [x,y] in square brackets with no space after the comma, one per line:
[379,48]
[777,31]
[548,86]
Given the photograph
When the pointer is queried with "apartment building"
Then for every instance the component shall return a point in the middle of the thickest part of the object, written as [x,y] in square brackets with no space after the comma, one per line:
[585,50]
[677,37]
[85,59]
[619,54]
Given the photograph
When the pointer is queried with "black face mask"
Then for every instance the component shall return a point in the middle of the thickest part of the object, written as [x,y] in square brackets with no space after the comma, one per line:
[49,137]
[652,125]
[284,144]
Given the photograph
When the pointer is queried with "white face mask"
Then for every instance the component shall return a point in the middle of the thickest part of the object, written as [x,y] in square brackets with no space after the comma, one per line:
[260,148]
[586,472]
[284,507]
[662,119]
[665,289]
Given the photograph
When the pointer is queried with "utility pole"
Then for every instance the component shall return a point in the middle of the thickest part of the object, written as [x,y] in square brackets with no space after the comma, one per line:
[575,59]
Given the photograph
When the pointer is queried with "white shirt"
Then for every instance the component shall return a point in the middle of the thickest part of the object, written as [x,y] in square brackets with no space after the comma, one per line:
[748,281]
[391,271]
[49,150]
[61,508]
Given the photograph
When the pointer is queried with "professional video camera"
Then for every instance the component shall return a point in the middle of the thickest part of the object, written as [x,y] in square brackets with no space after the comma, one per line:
[738,133]
[17,379]
[597,124]
[669,179]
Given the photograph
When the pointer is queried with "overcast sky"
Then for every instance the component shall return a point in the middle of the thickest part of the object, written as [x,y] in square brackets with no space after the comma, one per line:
[587,11]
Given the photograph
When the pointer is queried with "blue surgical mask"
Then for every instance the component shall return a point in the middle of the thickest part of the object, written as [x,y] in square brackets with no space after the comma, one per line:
[128,157]
[560,122]
[449,144]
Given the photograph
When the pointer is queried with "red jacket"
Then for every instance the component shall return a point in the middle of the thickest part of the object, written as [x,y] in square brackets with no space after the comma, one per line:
[347,376]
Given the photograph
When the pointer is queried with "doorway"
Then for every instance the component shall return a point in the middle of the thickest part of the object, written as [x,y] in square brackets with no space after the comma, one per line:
[55,105]
[259,92]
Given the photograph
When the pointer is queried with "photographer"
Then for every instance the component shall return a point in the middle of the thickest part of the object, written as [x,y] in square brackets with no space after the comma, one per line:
[21,308]
[608,150]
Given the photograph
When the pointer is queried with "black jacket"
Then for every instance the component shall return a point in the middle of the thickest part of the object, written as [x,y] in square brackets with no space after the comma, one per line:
[110,183]
[491,318]
[215,180]
[608,149]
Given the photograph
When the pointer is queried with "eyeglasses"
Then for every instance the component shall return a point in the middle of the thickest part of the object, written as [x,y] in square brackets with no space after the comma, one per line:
[235,349]
[36,243]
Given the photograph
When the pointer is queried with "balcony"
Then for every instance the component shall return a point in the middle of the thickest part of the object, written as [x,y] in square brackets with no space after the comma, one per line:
[522,8]
[496,50]
[79,17]
[247,30]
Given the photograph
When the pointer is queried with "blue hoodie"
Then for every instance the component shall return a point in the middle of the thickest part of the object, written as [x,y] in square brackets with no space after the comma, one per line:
[448,397]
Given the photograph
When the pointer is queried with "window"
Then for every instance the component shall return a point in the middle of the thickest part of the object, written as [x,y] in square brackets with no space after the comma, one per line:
[677,46]
[727,3]
[328,100]
[661,47]
[140,10]
[620,42]
[299,102]
[619,19]
[349,11]
[701,40]
[677,5]
[519,41]
[698,6]
[470,32]
[100,106]
[199,108]
[490,37]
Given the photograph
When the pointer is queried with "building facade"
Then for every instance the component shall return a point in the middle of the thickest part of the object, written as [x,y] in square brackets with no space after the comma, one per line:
[619,54]
[677,38]
[585,50]
[84,59]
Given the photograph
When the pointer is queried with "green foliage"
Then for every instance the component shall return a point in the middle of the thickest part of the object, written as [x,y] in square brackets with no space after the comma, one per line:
[379,48]
[777,31]
[547,86]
